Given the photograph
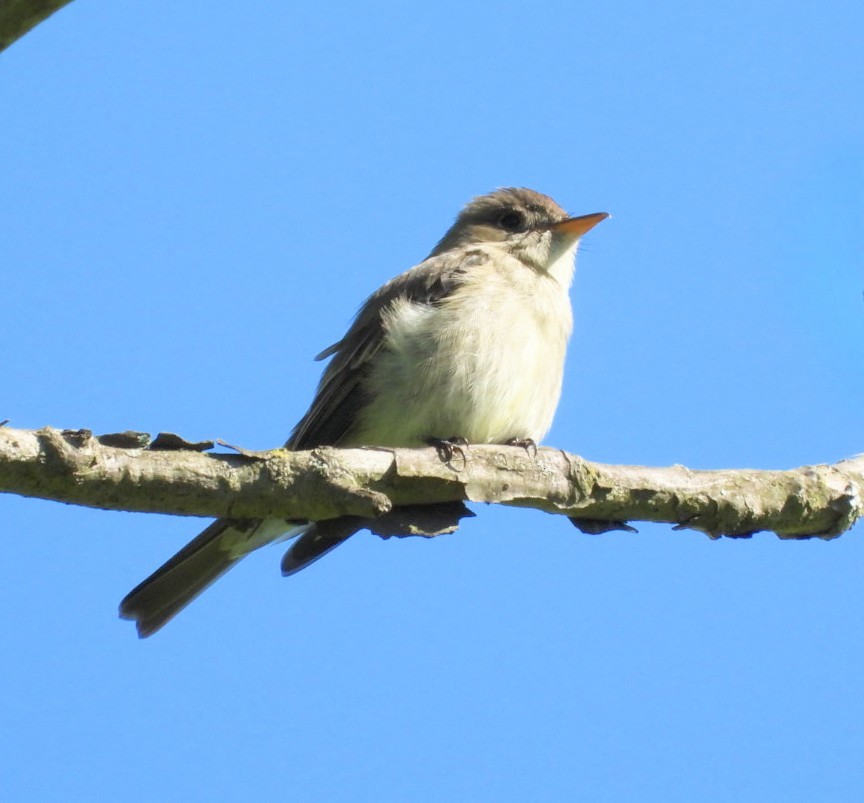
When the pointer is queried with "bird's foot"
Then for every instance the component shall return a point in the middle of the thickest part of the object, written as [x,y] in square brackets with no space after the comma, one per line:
[447,447]
[528,444]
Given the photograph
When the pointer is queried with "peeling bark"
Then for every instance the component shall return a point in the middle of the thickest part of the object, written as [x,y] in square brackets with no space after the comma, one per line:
[170,475]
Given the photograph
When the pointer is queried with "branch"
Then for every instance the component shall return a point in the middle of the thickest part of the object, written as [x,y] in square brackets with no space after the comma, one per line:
[169,475]
[17,17]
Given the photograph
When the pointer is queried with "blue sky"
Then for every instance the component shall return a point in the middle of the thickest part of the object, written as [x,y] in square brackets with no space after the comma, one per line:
[194,203]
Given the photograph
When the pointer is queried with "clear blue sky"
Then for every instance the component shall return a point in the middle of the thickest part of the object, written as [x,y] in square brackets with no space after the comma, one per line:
[195,198]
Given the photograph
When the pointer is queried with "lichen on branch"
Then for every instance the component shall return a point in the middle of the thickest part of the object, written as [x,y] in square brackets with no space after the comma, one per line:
[129,471]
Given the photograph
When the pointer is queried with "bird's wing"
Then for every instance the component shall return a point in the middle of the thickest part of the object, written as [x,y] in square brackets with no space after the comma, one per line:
[340,395]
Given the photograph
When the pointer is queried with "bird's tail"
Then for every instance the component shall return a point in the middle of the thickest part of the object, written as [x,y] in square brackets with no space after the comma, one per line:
[317,540]
[202,561]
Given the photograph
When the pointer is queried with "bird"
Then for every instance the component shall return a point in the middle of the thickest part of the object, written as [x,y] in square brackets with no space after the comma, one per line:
[466,347]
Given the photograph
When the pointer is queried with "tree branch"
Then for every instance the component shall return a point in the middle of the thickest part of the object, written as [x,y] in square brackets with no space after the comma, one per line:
[175,477]
[17,17]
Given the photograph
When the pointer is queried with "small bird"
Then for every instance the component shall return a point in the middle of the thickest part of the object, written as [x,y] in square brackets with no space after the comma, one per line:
[466,347]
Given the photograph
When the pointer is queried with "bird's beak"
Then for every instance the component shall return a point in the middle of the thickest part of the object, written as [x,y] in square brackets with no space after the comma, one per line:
[577,226]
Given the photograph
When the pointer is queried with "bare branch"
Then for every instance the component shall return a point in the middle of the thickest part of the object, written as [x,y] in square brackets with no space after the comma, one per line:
[75,467]
[17,17]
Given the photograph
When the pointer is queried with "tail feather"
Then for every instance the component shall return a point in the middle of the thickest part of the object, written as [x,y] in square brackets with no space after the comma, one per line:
[166,592]
[160,597]
[318,540]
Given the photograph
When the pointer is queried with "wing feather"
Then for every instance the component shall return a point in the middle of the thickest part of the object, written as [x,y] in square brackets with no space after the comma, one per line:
[341,393]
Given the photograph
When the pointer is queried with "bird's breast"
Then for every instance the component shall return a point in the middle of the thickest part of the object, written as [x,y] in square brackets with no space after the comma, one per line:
[484,364]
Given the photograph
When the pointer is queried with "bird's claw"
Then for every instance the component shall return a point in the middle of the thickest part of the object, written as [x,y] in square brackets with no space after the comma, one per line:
[528,444]
[447,447]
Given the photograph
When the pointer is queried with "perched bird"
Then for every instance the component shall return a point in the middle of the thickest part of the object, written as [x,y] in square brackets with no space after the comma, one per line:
[468,345]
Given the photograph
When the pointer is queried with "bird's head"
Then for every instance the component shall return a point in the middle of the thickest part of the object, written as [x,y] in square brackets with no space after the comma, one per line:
[527,224]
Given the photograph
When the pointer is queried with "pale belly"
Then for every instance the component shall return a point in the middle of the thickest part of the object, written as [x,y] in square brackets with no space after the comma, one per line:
[487,373]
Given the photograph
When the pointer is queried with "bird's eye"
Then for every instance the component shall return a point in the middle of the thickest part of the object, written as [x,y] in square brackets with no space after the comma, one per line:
[512,221]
